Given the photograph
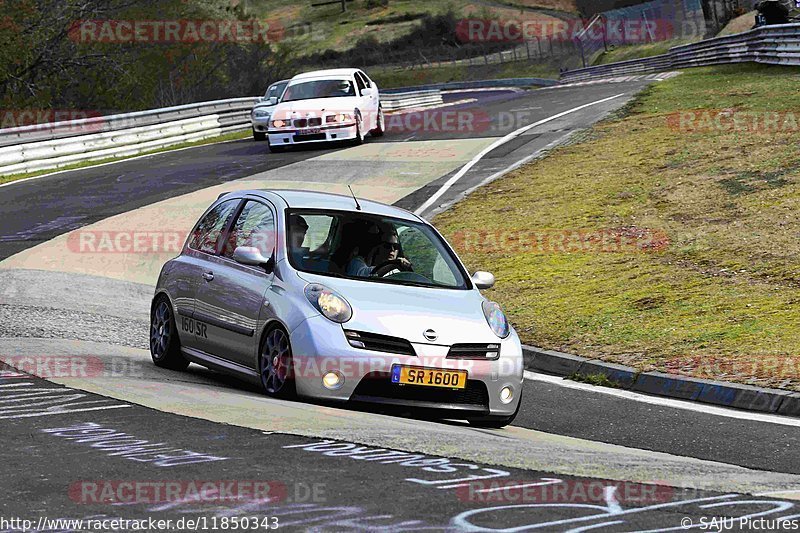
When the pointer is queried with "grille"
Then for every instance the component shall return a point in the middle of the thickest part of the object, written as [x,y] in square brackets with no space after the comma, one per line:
[307,123]
[378,385]
[474,351]
[379,343]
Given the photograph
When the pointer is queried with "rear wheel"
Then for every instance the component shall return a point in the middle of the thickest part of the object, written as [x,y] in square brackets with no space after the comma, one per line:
[259,135]
[165,346]
[276,365]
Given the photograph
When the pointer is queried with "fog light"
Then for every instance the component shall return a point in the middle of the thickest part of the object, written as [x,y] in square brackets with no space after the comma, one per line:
[333,380]
[506,394]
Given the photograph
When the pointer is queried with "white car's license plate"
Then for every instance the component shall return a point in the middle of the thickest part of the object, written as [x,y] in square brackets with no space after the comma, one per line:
[309,131]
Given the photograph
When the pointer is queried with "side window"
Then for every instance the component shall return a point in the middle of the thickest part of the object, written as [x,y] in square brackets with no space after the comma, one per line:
[254,227]
[427,259]
[365,78]
[207,233]
[360,83]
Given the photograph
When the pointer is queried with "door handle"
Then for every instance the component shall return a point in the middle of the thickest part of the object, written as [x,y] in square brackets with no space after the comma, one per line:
[208,276]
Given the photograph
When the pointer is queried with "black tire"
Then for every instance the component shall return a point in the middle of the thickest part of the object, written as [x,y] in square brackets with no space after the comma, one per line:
[381,126]
[495,422]
[277,149]
[276,365]
[359,139]
[165,345]
[259,135]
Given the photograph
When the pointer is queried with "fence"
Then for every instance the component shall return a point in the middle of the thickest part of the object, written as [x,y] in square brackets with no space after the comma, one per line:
[38,147]
[777,45]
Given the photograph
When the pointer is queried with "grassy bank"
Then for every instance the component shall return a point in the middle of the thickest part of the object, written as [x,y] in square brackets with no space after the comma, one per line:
[720,297]
[388,78]
[637,51]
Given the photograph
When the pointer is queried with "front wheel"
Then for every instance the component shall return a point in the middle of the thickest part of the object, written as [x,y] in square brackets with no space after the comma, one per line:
[359,138]
[276,365]
[165,346]
[380,127]
[259,135]
[496,422]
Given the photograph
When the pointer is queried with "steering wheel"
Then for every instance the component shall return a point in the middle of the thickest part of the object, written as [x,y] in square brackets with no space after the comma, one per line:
[387,266]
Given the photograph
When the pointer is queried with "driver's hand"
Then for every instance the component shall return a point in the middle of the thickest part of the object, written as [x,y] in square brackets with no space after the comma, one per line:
[405,262]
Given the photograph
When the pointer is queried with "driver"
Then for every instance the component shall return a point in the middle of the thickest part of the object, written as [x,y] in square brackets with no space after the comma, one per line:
[298,227]
[387,249]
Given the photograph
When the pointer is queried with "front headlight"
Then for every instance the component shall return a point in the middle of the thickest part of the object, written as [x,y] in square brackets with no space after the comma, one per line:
[496,319]
[261,113]
[329,303]
[341,117]
[278,123]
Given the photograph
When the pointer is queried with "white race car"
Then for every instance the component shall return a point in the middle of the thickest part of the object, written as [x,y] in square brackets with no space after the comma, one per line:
[262,112]
[326,106]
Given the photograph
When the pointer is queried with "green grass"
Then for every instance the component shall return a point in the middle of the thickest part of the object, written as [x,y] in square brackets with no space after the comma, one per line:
[637,51]
[221,138]
[335,30]
[721,298]
[388,78]
[599,380]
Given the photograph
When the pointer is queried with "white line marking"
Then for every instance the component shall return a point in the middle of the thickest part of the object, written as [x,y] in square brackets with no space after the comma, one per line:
[497,143]
[65,412]
[665,402]
[545,481]
[773,492]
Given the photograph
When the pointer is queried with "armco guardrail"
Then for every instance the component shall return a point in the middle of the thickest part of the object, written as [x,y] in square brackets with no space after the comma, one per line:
[777,45]
[408,100]
[50,146]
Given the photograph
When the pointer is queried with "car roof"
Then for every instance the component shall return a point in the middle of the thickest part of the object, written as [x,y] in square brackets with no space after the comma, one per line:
[301,199]
[331,73]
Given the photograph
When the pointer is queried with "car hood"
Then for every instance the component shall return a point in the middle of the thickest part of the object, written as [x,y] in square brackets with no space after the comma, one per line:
[403,311]
[266,107]
[315,107]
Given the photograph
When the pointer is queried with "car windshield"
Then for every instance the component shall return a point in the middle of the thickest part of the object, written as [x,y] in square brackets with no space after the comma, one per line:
[371,248]
[275,90]
[319,89]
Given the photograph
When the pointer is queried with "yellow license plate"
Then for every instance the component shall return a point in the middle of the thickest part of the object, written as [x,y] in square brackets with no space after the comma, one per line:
[429,377]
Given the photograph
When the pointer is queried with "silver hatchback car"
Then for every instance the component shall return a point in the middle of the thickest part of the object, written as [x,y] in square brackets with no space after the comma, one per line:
[331,297]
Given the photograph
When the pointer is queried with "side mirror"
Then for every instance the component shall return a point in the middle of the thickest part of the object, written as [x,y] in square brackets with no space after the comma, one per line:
[273,100]
[367,91]
[252,256]
[483,280]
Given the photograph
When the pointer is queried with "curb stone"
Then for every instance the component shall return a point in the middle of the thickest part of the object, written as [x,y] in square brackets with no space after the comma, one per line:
[721,393]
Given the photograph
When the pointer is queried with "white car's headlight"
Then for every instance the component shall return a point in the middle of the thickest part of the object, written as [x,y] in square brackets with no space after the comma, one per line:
[341,117]
[496,319]
[278,123]
[261,113]
[329,303]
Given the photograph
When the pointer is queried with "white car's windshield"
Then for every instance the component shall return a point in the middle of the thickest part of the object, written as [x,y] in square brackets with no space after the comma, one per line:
[275,90]
[371,248]
[331,88]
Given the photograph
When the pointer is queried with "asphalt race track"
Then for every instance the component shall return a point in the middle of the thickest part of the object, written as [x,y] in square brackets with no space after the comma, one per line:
[577,458]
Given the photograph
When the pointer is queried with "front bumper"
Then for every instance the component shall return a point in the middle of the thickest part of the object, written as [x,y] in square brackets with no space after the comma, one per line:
[319,346]
[290,137]
[260,124]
